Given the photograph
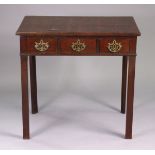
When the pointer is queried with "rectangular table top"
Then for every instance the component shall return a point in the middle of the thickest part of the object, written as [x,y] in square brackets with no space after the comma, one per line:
[78,26]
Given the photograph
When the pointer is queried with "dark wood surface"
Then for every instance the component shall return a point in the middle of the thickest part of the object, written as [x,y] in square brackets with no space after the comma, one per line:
[65,46]
[60,33]
[124,84]
[62,46]
[78,26]
[130,96]
[25,96]
[52,50]
[124,42]
[33,82]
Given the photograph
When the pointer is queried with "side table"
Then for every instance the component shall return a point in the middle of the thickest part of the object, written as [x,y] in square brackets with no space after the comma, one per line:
[77,36]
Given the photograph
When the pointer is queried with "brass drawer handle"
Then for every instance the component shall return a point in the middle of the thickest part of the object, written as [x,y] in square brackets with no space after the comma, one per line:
[78,46]
[114,46]
[41,46]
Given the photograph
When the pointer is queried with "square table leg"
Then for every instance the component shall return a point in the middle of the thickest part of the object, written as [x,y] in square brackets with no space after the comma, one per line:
[130,96]
[33,83]
[25,99]
[124,84]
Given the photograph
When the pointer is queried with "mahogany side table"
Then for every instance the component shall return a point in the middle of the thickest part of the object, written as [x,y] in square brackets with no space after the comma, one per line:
[77,36]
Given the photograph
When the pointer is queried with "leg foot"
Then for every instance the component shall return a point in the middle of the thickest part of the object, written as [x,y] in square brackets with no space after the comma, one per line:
[25,101]
[130,97]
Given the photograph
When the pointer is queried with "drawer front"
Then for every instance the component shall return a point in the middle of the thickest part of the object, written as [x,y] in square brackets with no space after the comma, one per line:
[42,45]
[114,46]
[77,46]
